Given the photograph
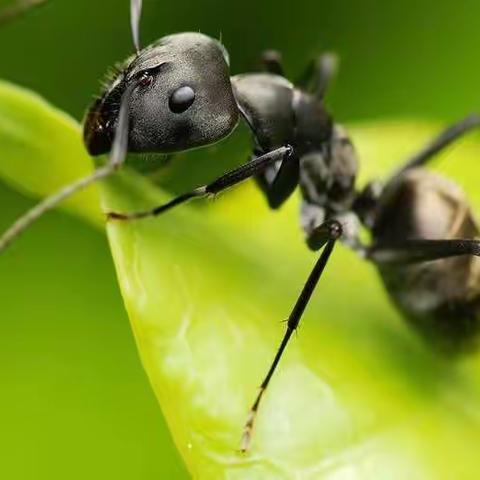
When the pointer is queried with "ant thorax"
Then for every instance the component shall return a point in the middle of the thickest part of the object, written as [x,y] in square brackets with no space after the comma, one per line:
[327,183]
[325,164]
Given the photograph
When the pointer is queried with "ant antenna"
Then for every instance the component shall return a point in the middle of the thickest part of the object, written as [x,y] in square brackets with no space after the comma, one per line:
[135,14]
[116,157]
[115,161]
[17,9]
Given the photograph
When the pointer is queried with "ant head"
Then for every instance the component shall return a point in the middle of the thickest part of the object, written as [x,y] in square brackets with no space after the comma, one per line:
[180,97]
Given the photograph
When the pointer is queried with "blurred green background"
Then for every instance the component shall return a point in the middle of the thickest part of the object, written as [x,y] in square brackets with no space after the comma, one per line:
[74,400]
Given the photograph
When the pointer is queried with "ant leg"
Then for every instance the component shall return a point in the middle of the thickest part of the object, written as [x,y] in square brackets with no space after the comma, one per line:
[17,9]
[327,69]
[116,160]
[326,236]
[272,61]
[415,251]
[319,74]
[230,179]
[446,138]
[278,182]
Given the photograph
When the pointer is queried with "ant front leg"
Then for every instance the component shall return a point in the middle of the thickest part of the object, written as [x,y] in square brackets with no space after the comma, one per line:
[326,236]
[238,175]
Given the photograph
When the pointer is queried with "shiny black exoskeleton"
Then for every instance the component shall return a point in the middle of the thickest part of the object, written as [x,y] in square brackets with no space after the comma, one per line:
[278,113]
[177,94]
[297,144]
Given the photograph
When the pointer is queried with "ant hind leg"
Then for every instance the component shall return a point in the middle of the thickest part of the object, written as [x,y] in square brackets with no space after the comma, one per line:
[446,138]
[416,251]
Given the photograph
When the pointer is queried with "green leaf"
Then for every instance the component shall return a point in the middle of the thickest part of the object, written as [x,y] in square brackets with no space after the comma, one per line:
[41,149]
[357,395]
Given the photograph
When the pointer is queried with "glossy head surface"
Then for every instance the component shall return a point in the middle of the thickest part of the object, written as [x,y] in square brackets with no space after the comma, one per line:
[181,98]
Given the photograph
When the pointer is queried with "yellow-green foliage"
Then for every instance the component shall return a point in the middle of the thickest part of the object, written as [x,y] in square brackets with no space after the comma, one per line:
[357,395]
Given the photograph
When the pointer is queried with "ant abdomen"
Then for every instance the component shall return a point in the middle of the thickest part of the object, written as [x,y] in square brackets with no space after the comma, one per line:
[440,298]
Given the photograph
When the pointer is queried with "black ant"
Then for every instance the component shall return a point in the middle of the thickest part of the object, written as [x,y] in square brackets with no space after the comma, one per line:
[177,94]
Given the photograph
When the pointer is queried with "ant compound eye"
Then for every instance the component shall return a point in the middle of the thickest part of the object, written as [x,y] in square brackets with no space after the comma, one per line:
[181,99]
[145,80]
